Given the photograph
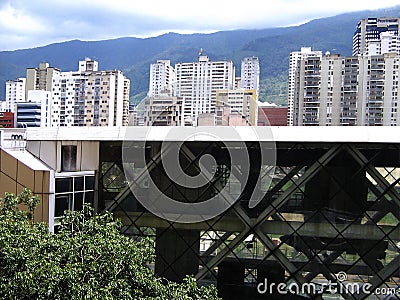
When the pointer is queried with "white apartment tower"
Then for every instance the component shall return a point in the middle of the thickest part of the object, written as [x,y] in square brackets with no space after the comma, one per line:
[162,76]
[90,97]
[375,36]
[379,86]
[356,90]
[15,92]
[198,82]
[250,74]
[295,59]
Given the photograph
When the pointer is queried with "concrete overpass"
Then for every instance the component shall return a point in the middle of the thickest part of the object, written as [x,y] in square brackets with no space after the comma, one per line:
[310,202]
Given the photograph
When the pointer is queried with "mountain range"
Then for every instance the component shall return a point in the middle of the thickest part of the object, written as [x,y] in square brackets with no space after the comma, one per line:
[134,55]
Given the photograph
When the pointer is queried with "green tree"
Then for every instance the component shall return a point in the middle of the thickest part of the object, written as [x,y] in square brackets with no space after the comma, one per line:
[88,259]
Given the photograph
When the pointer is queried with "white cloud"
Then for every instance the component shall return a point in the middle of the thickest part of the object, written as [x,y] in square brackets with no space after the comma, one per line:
[15,20]
[33,23]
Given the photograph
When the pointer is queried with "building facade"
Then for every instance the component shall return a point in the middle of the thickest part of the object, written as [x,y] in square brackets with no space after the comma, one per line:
[90,97]
[40,78]
[250,74]
[88,65]
[295,59]
[15,92]
[163,110]
[198,82]
[240,102]
[198,85]
[162,77]
[375,36]
[335,90]
[35,112]
[272,116]
[6,119]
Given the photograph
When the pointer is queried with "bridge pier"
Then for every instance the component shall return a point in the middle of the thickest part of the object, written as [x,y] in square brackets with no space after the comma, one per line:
[177,253]
[338,191]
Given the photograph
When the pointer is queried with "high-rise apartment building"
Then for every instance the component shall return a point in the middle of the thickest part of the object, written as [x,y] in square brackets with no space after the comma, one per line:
[335,90]
[295,59]
[40,78]
[375,36]
[88,97]
[390,43]
[198,85]
[198,82]
[250,74]
[162,76]
[15,92]
[380,80]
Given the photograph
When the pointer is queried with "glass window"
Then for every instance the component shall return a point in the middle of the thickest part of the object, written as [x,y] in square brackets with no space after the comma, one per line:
[89,183]
[89,197]
[63,202]
[63,185]
[68,158]
[72,192]
[78,201]
[78,183]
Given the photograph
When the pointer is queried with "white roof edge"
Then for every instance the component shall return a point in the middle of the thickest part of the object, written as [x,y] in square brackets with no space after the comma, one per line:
[358,134]
[27,159]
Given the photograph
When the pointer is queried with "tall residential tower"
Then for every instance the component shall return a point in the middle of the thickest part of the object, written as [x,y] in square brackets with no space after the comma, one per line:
[15,92]
[375,36]
[162,76]
[198,82]
[250,74]
[40,78]
[294,61]
[355,90]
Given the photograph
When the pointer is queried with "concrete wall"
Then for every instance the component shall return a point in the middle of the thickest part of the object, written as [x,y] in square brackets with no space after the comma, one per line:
[15,176]
[50,153]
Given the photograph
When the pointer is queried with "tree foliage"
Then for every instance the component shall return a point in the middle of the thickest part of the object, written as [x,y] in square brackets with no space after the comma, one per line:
[88,259]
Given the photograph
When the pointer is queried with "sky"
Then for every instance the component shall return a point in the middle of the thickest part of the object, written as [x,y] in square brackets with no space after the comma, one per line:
[33,23]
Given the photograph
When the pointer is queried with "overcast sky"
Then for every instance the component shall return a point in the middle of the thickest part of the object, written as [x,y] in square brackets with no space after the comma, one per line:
[31,23]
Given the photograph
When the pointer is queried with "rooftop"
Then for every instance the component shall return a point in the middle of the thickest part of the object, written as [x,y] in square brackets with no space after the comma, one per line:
[359,134]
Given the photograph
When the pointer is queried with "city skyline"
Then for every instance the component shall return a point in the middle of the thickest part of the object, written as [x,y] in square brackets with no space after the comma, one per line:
[32,24]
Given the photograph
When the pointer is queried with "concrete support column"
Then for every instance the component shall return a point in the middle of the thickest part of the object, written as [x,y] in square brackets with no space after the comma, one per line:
[339,190]
[177,253]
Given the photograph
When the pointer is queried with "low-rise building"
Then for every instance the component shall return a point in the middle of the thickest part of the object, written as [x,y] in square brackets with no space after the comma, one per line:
[163,110]
[272,116]
[6,119]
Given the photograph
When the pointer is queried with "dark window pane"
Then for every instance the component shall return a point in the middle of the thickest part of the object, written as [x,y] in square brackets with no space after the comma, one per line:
[78,201]
[78,183]
[62,204]
[68,158]
[63,185]
[89,197]
[89,183]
